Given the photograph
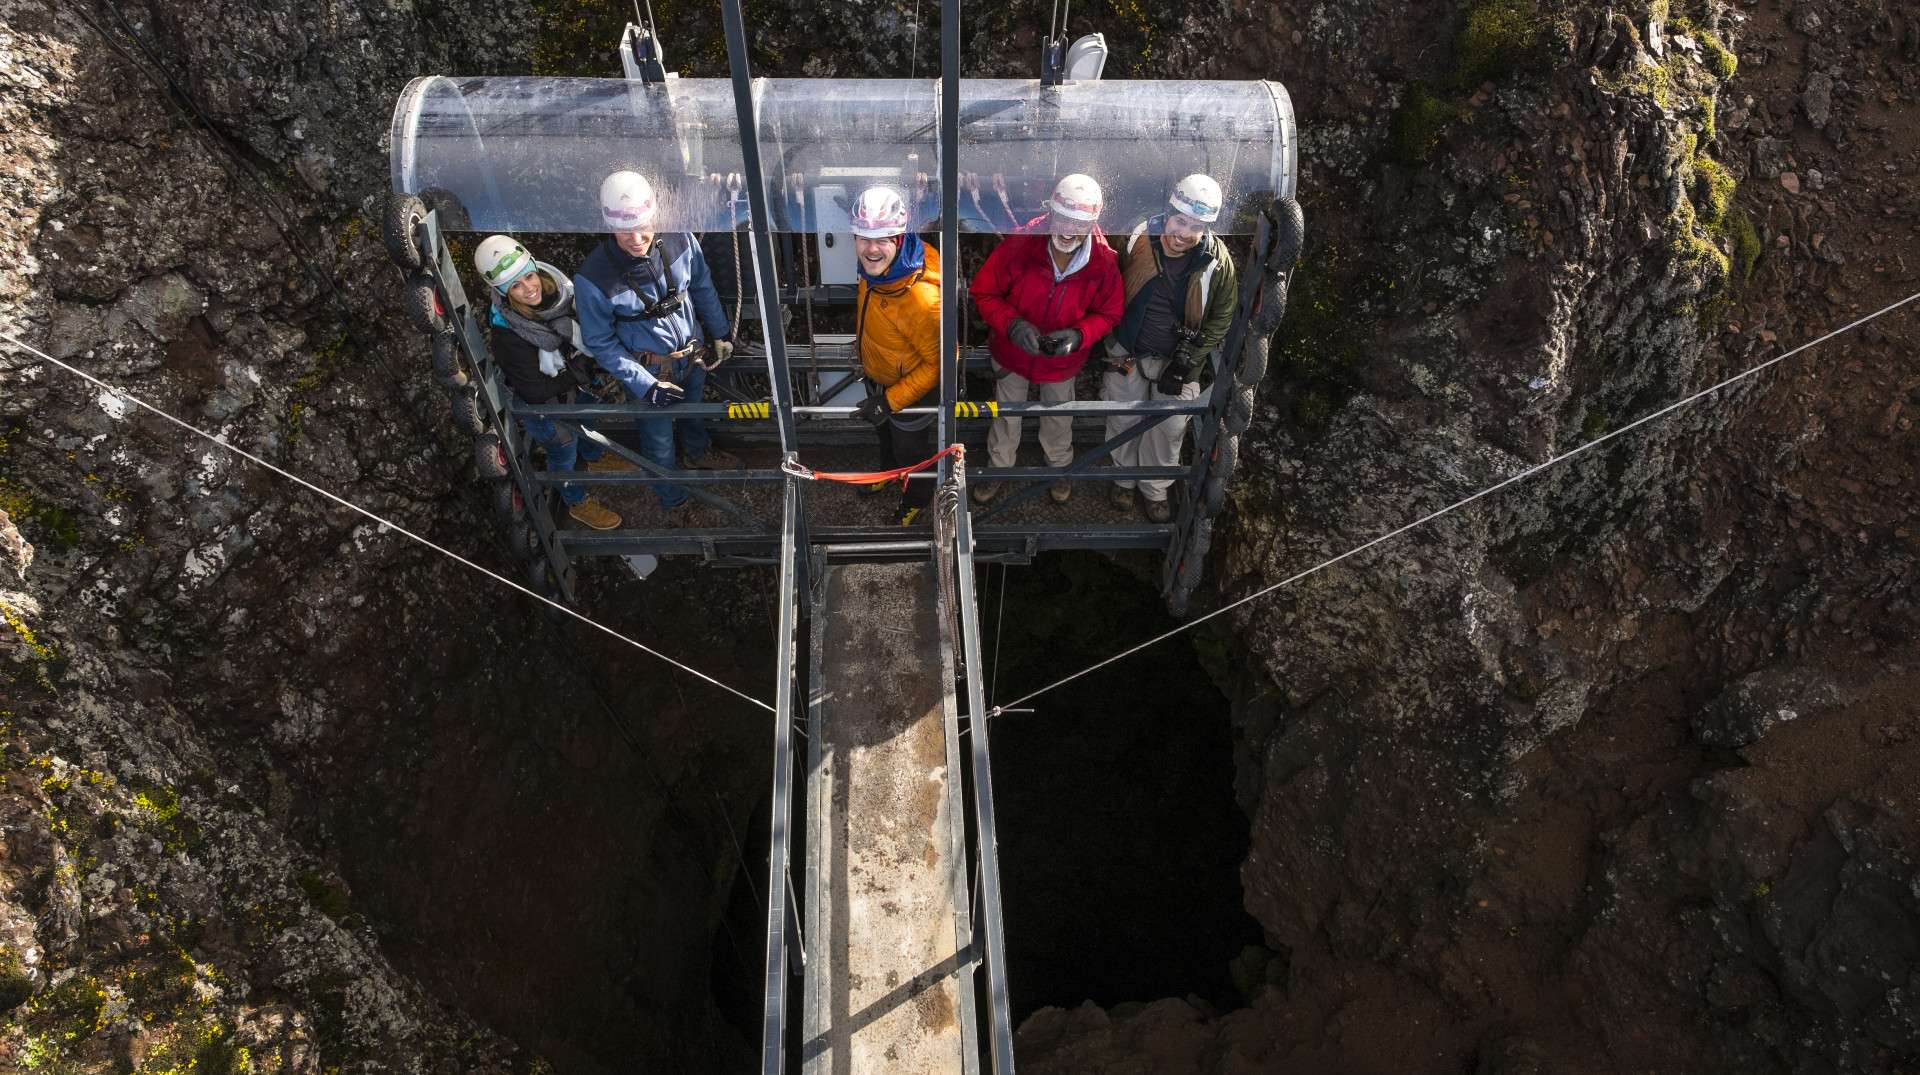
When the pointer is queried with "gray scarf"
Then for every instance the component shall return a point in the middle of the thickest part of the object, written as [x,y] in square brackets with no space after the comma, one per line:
[546,329]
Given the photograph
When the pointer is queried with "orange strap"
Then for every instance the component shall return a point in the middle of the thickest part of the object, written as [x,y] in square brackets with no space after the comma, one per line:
[870,477]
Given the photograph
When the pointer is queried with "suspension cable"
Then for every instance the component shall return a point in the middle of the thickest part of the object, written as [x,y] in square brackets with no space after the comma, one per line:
[1457,505]
[387,523]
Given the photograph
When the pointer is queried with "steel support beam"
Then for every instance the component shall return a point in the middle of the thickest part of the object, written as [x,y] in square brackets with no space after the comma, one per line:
[950,262]
[760,232]
[773,1038]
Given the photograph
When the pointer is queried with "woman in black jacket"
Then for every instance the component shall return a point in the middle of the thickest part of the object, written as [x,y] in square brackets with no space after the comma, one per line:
[533,330]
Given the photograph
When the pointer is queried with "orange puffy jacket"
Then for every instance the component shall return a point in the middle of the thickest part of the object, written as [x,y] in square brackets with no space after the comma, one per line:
[899,333]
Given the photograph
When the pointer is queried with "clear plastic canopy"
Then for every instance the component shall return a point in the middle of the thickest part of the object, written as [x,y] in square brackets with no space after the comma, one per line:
[528,154]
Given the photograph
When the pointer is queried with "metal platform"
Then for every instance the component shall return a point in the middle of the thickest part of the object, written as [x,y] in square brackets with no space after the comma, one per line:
[889,981]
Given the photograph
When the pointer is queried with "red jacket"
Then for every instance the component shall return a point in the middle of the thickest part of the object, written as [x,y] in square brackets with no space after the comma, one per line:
[1017,281]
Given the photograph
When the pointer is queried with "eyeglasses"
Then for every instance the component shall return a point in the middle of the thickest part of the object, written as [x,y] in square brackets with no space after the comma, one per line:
[1066,225]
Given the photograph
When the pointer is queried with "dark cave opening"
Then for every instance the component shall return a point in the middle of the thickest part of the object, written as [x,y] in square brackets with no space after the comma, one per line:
[1120,841]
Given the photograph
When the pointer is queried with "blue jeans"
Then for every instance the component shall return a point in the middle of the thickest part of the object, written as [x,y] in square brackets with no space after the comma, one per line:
[562,456]
[656,434]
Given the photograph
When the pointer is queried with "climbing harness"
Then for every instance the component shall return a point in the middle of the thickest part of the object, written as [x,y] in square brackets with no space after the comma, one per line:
[1457,505]
[385,524]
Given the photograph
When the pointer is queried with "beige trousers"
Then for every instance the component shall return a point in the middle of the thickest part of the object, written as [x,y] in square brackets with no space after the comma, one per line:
[1056,434]
[1157,447]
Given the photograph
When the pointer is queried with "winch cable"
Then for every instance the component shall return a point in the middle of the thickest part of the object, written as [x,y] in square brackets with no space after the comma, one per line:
[1456,506]
[396,527]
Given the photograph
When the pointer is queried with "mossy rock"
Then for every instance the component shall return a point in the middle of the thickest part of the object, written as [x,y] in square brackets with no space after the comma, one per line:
[1500,38]
[326,899]
[15,989]
[1414,131]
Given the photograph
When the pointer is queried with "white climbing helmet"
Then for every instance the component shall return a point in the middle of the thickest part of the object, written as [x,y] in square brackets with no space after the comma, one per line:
[626,201]
[880,213]
[1076,197]
[500,260]
[1197,196]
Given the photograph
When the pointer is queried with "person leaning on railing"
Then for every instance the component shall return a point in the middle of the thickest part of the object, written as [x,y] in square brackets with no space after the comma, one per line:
[897,335]
[535,343]
[638,294]
[1047,294]
[1181,289]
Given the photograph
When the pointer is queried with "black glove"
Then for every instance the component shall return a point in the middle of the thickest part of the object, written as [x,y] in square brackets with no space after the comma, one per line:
[1024,335]
[1173,379]
[1063,341]
[581,369]
[665,394]
[874,409]
[722,350]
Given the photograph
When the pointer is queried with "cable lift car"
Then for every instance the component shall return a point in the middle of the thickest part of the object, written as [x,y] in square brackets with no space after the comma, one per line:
[766,169]
[526,154]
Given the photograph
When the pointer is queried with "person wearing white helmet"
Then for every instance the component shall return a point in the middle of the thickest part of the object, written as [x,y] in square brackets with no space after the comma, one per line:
[643,298]
[534,340]
[897,336]
[1180,289]
[1047,293]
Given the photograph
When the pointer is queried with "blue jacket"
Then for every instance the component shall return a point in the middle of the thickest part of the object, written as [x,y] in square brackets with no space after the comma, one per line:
[601,296]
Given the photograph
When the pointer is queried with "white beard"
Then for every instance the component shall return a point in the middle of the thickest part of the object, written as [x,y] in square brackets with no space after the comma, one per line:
[1067,244]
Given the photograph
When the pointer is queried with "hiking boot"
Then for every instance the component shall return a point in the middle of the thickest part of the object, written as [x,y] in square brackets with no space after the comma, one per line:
[715,459]
[610,461]
[1158,511]
[1060,492]
[874,489]
[1120,497]
[984,492]
[681,516]
[907,516]
[594,514]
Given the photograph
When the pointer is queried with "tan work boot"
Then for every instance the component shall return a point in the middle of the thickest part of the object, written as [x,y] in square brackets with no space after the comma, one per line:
[610,461]
[715,459]
[1120,497]
[594,514]
[681,516]
[984,492]
[1060,492]
[1158,511]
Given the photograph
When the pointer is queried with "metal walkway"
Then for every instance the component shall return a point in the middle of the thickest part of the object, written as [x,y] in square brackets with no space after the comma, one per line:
[886,987]
[893,936]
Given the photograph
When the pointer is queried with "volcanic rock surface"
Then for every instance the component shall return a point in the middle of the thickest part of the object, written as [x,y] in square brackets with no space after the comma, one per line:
[1609,771]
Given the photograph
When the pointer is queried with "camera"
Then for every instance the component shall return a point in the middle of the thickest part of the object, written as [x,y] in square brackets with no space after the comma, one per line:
[1054,346]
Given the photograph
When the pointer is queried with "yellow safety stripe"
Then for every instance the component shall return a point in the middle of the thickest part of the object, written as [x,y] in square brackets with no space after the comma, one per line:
[749,410]
[976,410]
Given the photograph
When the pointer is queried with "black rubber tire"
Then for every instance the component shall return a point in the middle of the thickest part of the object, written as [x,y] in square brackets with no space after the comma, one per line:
[489,456]
[1240,408]
[400,229]
[507,503]
[1177,599]
[524,543]
[1253,362]
[467,415]
[425,307]
[1193,560]
[1226,456]
[453,213]
[1213,495]
[446,354]
[1290,235]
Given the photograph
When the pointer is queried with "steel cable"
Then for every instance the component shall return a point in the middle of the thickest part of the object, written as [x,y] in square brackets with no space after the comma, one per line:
[396,527]
[1457,505]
